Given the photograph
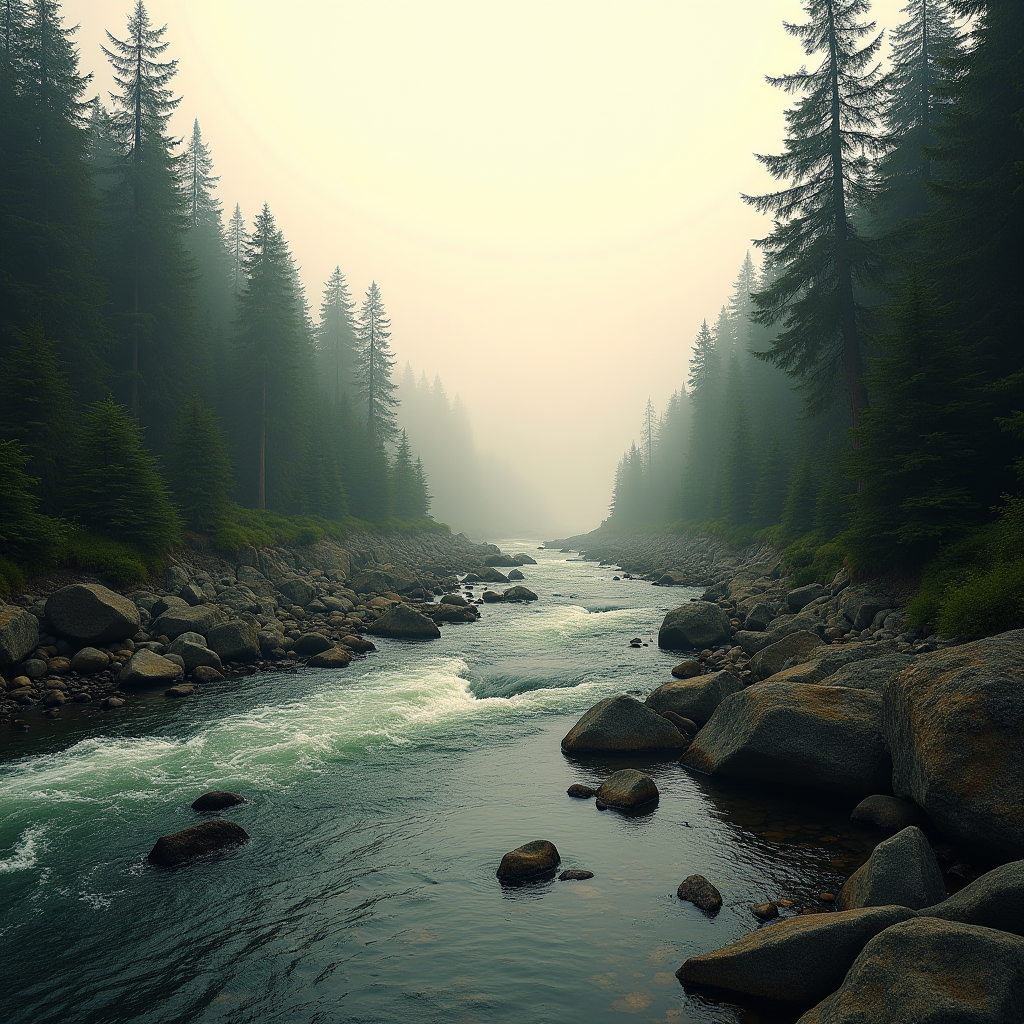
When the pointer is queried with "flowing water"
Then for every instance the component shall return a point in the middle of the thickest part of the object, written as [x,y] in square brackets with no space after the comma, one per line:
[381,799]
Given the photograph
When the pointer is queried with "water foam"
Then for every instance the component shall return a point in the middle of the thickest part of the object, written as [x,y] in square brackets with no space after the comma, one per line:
[26,851]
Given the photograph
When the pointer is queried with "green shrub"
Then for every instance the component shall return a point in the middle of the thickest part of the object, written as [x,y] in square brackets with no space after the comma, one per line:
[811,561]
[989,603]
[124,564]
[11,578]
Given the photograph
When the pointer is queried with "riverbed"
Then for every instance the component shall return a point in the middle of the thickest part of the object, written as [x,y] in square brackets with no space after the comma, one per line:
[381,799]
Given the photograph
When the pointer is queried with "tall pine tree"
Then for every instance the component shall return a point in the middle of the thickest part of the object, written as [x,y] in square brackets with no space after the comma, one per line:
[376,363]
[335,336]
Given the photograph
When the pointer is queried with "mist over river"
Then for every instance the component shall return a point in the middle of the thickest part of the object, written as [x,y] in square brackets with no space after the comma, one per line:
[382,798]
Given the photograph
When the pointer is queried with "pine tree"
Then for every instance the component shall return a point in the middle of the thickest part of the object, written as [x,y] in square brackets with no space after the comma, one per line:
[199,470]
[373,373]
[739,473]
[770,490]
[237,241]
[13,23]
[835,492]
[335,335]
[801,498]
[27,537]
[741,304]
[421,508]
[831,133]
[403,475]
[650,437]
[114,486]
[704,385]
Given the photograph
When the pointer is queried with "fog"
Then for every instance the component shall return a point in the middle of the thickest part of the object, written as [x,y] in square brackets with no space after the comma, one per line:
[546,192]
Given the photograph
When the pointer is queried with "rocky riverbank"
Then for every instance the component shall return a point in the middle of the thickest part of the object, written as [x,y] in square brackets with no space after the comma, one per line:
[72,640]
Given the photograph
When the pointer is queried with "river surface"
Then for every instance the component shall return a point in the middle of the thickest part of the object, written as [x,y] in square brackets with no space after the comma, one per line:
[381,799]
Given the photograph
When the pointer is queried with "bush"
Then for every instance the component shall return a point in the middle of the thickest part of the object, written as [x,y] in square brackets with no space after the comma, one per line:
[811,561]
[124,564]
[990,603]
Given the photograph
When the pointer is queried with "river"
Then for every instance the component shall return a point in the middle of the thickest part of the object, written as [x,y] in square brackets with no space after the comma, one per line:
[381,799]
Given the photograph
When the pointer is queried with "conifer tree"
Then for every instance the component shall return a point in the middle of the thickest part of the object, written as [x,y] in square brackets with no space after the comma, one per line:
[831,133]
[237,241]
[13,23]
[421,508]
[27,537]
[801,498]
[373,373]
[650,436]
[404,480]
[769,497]
[704,386]
[741,304]
[199,470]
[738,476]
[335,335]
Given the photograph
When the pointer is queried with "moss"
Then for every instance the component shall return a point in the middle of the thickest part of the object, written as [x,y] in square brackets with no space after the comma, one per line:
[811,561]
[123,563]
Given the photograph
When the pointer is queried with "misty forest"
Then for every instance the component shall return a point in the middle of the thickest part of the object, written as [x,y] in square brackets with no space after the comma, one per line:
[269,602]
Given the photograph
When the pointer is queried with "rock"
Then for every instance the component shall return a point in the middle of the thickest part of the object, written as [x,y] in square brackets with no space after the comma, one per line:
[206,674]
[113,703]
[580,791]
[695,699]
[358,644]
[522,559]
[53,698]
[503,560]
[574,874]
[799,960]
[627,789]
[234,640]
[33,668]
[519,594]
[216,800]
[456,599]
[995,900]
[816,736]
[89,660]
[791,649]
[403,622]
[181,690]
[19,634]
[148,669]
[297,591]
[172,623]
[516,574]
[888,813]
[797,599]
[334,657]
[696,889]
[490,597]
[686,726]
[191,594]
[169,602]
[927,971]
[92,614]
[488,574]
[194,841]
[192,649]
[58,666]
[311,643]
[824,662]
[686,670]
[765,911]
[622,725]
[871,673]
[694,626]
[752,642]
[528,862]
[758,618]
[954,722]
[901,871]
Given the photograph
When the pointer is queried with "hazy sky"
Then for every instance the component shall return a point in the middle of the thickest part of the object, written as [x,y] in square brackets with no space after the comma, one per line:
[547,191]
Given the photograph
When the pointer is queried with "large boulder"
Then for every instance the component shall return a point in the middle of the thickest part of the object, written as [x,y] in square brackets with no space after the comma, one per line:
[996,900]
[802,596]
[627,789]
[901,870]
[192,649]
[528,862]
[824,662]
[927,971]
[622,725]
[954,722]
[90,660]
[296,591]
[175,621]
[145,668]
[758,618]
[405,623]
[800,960]
[234,640]
[695,698]
[519,594]
[194,841]
[872,673]
[312,643]
[694,626]
[816,736]
[791,649]
[91,614]
[19,634]
[336,657]
[488,574]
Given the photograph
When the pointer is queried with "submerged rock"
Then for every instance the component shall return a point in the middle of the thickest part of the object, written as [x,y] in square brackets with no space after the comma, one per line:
[622,725]
[696,698]
[888,813]
[901,871]
[627,789]
[194,841]
[696,889]
[580,792]
[995,900]
[405,623]
[575,875]
[216,800]
[530,861]
[694,626]
[90,613]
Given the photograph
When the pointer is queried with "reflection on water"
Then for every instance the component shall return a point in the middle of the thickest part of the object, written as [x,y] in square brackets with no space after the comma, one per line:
[381,800]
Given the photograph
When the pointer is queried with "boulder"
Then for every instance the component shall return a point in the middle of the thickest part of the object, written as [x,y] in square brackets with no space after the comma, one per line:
[797,599]
[488,574]
[172,623]
[752,642]
[90,660]
[687,726]
[758,618]
[311,643]
[34,668]
[790,650]
[516,575]
[405,623]
[871,673]
[686,670]
[888,813]
[901,871]
[334,657]
[179,690]
[580,792]
[824,662]
[995,900]
[528,862]
[490,597]
[518,594]
[216,800]
[927,971]
[192,650]
[816,736]
[694,626]
[799,960]
[19,634]
[296,591]
[503,560]
[191,594]
[206,674]
[167,603]
[456,599]
[954,722]
[696,889]
[627,789]
[194,841]
[358,644]
[695,698]
[92,614]
[145,668]
[234,640]
[575,875]
[622,725]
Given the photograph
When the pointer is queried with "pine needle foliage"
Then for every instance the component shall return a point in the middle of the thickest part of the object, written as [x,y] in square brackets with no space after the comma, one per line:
[375,366]
[335,335]
[199,470]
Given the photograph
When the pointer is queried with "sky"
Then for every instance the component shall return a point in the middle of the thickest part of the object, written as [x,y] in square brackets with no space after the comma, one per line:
[546,191]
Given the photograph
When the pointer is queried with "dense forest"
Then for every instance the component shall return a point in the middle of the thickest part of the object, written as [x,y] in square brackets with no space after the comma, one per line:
[161,370]
[859,397]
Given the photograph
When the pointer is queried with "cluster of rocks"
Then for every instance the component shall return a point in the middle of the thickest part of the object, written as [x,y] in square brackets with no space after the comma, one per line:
[204,837]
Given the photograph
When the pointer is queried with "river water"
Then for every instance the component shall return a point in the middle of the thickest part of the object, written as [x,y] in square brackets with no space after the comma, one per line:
[382,798]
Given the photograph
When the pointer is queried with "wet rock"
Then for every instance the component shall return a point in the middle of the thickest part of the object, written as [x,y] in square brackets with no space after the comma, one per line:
[799,960]
[580,791]
[179,691]
[206,674]
[145,668]
[765,911]
[92,614]
[694,626]
[490,597]
[627,789]
[216,800]
[113,703]
[19,634]
[175,621]
[196,840]
[403,622]
[622,725]
[516,574]
[696,889]
[519,594]
[790,650]
[954,722]
[888,813]
[928,971]
[815,736]
[334,657]
[802,596]
[311,643]
[696,698]
[574,874]
[456,599]
[358,644]
[901,871]
[530,861]
[995,900]
[234,640]
[686,670]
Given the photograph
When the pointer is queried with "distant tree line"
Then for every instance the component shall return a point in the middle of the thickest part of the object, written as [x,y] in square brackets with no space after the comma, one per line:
[860,398]
[152,357]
